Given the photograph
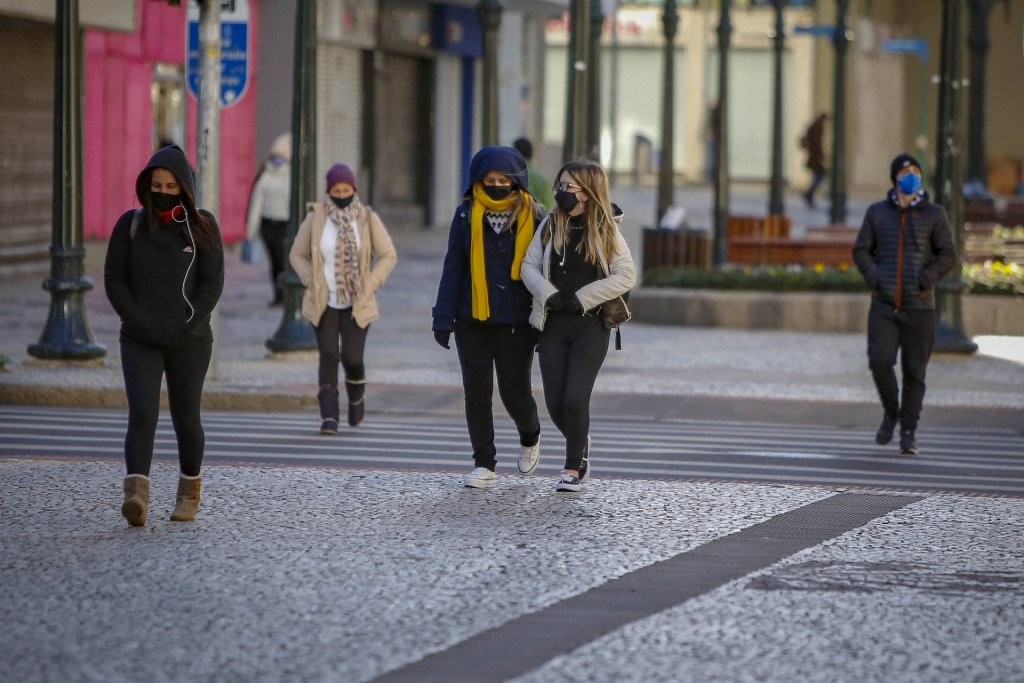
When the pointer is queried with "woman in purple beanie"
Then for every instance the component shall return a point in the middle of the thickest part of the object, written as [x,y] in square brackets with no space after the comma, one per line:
[342,254]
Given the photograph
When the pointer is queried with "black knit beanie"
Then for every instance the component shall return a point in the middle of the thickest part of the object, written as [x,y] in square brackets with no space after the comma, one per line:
[900,163]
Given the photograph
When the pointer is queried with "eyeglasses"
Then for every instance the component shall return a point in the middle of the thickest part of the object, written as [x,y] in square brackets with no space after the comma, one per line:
[568,187]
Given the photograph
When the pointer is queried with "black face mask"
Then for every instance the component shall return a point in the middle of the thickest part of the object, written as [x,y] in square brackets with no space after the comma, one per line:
[165,202]
[498,192]
[342,202]
[566,201]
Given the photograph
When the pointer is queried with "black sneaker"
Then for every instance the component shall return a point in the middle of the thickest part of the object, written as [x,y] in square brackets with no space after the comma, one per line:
[329,426]
[885,430]
[908,444]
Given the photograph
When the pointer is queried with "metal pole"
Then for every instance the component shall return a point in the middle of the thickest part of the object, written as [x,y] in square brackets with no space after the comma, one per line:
[490,18]
[721,209]
[594,81]
[577,116]
[841,40]
[67,334]
[950,336]
[613,94]
[776,207]
[666,167]
[978,42]
[209,129]
[295,333]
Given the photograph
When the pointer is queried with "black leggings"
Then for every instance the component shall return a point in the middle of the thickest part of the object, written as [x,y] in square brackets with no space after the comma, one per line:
[273,233]
[185,367]
[340,339]
[572,350]
[486,350]
[913,334]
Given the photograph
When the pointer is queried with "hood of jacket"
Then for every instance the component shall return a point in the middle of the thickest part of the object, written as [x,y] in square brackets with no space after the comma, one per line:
[920,200]
[505,160]
[173,159]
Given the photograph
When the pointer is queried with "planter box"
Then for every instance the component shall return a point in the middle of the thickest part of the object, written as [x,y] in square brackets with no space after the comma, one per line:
[802,311]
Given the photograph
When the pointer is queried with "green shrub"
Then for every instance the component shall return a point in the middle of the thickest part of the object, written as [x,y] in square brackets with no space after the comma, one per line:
[988,278]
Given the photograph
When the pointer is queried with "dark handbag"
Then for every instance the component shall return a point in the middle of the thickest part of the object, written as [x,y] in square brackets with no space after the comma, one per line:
[615,312]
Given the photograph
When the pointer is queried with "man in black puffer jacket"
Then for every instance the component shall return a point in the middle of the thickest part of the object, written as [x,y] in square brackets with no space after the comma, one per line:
[903,249]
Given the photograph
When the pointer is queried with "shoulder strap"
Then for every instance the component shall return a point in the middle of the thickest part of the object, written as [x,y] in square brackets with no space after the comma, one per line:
[136,219]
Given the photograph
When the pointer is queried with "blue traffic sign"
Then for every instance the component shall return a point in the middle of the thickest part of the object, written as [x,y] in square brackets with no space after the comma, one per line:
[915,46]
[234,51]
[822,30]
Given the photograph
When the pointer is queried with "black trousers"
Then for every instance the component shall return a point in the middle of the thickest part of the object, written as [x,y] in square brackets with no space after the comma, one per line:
[572,350]
[912,333]
[486,350]
[185,367]
[273,234]
[340,340]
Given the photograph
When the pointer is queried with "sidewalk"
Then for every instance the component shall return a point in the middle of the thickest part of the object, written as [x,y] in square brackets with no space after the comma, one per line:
[662,371]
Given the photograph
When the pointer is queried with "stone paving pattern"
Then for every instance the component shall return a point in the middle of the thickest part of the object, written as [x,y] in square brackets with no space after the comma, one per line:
[316,574]
[324,575]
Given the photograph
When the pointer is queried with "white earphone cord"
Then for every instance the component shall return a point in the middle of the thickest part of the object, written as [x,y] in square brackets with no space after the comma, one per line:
[188,228]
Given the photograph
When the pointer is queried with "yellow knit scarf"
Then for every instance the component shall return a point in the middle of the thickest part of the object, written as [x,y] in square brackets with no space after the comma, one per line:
[477,266]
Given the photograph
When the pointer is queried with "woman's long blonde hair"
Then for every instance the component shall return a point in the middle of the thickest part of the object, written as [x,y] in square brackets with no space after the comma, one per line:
[598,220]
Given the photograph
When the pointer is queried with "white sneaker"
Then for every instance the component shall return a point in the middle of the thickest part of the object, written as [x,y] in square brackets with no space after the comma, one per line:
[480,478]
[529,456]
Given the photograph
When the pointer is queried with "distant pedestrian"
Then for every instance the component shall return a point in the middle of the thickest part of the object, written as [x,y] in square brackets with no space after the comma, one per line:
[903,249]
[343,255]
[813,143]
[578,262]
[482,299]
[269,209]
[164,273]
[540,186]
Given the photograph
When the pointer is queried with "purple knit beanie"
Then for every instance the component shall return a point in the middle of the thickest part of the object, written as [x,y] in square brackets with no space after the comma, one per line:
[340,173]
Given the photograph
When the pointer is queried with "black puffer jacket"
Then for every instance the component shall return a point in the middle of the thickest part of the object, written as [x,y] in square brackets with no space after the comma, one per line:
[926,248]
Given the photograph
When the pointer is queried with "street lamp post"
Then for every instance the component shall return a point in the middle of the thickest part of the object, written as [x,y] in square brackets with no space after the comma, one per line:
[594,81]
[721,234]
[66,334]
[670,24]
[577,114]
[209,128]
[490,19]
[978,42]
[295,333]
[841,40]
[950,335]
[775,202]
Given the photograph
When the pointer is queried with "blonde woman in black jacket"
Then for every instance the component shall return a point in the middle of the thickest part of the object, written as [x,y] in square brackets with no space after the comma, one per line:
[164,274]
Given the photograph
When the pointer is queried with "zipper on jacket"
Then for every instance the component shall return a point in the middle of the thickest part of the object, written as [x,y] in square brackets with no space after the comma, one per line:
[899,265]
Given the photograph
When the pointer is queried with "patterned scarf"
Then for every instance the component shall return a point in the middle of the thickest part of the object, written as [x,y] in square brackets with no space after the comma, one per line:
[346,253]
[477,268]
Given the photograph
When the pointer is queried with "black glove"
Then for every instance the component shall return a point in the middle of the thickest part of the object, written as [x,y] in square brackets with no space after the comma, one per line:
[555,304]
[571,304]
[442,337]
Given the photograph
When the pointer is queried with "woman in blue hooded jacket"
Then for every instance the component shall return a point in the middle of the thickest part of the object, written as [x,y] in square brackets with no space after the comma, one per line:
[482,300]
[164,273]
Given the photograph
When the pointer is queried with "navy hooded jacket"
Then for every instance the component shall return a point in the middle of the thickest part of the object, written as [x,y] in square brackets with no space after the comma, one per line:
[510,301]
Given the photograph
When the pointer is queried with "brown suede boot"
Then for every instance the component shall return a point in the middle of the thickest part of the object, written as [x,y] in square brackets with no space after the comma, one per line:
[136,499]
[187,504]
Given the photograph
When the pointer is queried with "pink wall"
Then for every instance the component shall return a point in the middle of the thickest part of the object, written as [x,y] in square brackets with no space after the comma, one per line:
[118,119]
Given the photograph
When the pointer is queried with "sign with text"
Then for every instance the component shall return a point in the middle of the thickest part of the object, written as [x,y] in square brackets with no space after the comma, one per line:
[234,50]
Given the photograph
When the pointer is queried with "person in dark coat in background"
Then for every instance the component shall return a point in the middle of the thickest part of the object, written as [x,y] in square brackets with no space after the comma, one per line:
[482,299]
[812,141]
[164,273]
[540,186]
[903,249]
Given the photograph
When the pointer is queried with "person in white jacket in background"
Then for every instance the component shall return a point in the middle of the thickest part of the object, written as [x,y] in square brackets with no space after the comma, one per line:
[269,204]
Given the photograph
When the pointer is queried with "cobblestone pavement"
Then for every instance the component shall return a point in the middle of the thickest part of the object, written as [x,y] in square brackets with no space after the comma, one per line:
[317,574]
[325,575]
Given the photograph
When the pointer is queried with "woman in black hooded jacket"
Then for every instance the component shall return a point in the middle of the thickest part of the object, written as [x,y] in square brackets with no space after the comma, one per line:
[164,274]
